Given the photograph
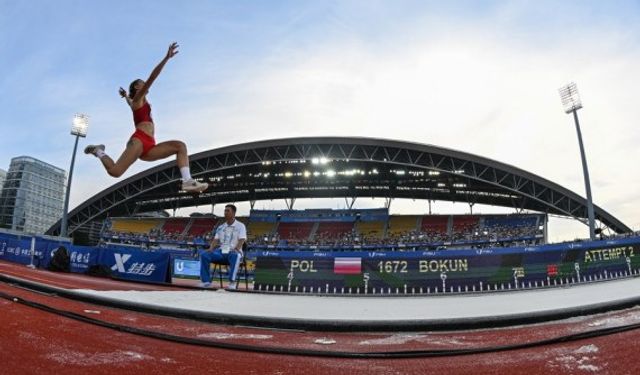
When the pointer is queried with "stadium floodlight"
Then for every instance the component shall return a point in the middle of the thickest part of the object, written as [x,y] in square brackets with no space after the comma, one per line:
[570,97]
[79,127]
[572,103]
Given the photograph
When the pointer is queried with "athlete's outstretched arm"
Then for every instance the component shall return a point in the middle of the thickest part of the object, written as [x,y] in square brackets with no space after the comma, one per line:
[173,50]
[124,95]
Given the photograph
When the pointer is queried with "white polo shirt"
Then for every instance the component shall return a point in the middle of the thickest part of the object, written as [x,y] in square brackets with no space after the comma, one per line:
[229,235]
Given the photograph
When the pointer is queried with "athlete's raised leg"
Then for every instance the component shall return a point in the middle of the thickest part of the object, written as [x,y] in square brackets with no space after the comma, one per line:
[179,149]
[165,149]
[116,169]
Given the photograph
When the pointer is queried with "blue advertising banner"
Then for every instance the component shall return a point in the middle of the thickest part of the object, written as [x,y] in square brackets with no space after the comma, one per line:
[137,265]
[82,257]
[124,262]
[17,249]
[187,268]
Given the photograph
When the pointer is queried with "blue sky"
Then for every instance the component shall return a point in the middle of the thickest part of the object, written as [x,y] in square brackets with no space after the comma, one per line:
[480,76]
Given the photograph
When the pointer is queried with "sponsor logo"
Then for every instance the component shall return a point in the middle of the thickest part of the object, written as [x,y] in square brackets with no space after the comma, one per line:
[120,261]
[179,266]
[137,268]
[77,257]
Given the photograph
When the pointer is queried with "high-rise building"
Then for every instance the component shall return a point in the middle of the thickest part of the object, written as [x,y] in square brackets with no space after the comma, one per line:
[32,199]
[3,176]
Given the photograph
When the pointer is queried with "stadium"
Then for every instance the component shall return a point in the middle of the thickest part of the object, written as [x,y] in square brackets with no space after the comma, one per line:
[521,294]
[349,168]
[319,187]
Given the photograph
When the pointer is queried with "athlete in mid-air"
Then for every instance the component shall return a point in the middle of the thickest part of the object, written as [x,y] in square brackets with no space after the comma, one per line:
[142,144]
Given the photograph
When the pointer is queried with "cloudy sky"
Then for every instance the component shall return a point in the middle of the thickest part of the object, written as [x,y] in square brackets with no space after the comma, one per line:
[478,76]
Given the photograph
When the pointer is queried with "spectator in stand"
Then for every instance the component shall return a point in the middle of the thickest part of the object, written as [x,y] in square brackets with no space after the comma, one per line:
[226,248]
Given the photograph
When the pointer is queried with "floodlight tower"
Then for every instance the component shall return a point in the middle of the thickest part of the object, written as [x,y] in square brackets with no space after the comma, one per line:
[79,128]
[572,103]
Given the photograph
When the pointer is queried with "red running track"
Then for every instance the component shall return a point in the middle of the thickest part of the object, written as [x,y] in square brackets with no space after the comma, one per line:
[34,341]
[73,280]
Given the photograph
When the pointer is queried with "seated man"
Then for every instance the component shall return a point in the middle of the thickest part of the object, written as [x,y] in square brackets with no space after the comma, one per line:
[227,242]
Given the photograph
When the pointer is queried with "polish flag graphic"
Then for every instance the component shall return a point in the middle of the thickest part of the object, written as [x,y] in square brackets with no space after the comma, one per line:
[347,266]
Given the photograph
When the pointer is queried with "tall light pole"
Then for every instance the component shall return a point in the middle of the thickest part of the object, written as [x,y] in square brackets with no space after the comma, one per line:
[572,103]
[79,128]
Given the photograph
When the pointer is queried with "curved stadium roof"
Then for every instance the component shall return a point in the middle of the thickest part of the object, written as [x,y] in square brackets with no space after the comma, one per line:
[314,167]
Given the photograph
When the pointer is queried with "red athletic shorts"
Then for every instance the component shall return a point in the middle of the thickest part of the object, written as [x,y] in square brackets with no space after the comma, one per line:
[148,142]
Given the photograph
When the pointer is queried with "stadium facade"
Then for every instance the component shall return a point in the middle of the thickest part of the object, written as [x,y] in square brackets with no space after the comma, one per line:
[32,197]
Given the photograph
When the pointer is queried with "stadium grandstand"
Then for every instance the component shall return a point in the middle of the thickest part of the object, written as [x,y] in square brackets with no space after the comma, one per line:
[338,229]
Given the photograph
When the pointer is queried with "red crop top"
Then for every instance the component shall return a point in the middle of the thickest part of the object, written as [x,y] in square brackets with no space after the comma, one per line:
[142,114]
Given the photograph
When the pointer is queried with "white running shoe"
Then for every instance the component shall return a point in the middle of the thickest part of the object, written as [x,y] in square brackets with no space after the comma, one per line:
[193,186]
[204,285]
[92,149]
[232,286]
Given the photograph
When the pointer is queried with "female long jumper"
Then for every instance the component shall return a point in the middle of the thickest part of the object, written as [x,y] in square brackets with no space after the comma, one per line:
[142,144]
